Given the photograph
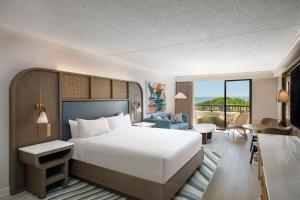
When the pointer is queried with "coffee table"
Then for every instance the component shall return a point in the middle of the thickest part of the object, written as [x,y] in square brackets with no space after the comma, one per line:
[206,131]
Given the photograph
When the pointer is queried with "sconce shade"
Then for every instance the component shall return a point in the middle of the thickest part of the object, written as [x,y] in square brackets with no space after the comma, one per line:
[180,95]
[137,106]
[283,96]
[42,119]
[139,109]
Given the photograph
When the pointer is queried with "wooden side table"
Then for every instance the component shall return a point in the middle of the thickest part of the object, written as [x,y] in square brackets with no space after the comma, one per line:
[46,163]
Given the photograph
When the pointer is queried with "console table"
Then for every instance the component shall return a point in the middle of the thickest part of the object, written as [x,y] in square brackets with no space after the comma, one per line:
[279,167]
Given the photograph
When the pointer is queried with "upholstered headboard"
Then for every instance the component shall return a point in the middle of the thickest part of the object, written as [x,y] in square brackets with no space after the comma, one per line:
[89,110]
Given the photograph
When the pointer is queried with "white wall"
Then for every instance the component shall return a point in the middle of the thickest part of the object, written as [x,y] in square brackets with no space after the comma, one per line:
[18,53]
[264,104]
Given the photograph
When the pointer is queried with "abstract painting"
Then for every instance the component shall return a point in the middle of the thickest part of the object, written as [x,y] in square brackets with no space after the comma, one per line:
[156,97]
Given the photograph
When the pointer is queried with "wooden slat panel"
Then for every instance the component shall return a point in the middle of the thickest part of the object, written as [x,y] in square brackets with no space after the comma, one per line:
[100,88]
[75,86]
[185,106]
[25,93]
[119,89]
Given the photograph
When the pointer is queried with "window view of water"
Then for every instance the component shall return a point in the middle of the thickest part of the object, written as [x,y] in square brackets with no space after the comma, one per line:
[209,101]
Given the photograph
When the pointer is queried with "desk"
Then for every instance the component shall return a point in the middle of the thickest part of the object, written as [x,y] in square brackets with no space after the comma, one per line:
[279,166]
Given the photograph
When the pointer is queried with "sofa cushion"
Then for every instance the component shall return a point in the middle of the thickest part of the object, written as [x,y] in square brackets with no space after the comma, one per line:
[155,115]
[165,117]
[179,118]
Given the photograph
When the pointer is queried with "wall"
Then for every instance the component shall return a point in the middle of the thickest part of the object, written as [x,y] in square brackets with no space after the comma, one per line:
[20,52]
[264,104]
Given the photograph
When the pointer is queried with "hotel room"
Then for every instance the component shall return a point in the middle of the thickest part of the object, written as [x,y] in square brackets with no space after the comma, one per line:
[154,100]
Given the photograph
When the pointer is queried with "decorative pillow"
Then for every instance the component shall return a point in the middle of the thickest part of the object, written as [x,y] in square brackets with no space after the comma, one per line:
[179,118]
[173,118]
[74,128]
[89,128]
[118,123]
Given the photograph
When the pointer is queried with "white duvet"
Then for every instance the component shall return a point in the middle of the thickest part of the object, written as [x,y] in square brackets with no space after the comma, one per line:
[150,153]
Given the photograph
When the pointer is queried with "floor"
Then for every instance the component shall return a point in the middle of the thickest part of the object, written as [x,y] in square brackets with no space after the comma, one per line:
[235,178]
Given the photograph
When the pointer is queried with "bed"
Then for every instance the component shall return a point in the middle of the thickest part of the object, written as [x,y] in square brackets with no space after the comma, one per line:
[147,153]
[139,162]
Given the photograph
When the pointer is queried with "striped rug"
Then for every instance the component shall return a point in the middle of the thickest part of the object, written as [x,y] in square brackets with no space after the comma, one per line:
[192,190]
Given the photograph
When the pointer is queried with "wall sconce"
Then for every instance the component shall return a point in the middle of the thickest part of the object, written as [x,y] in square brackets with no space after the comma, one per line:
[42,116]
[137,106]
[283,96]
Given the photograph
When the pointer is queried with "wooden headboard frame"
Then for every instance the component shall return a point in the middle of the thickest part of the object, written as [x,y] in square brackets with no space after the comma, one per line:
[56,87]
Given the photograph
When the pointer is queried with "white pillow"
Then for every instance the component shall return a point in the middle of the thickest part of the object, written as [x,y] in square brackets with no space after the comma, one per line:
[74,128]
[118,123]
[89,128]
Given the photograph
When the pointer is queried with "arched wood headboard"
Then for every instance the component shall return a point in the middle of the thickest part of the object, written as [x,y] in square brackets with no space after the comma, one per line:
[57,87]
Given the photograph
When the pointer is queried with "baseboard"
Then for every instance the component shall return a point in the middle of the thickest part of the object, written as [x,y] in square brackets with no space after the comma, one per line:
[4,191]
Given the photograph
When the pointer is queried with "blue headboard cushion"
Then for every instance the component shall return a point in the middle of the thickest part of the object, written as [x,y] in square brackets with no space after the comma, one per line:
[89,110]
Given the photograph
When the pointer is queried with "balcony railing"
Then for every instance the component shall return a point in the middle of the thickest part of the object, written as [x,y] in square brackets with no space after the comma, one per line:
[220,107]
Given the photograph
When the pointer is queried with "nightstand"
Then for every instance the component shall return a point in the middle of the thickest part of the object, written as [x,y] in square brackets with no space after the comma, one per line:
[145,124]
[46,163]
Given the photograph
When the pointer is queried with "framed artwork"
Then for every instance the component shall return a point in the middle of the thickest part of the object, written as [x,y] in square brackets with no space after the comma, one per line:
[156,97]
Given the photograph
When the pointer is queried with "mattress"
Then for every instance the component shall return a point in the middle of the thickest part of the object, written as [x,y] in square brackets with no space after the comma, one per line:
[149,153]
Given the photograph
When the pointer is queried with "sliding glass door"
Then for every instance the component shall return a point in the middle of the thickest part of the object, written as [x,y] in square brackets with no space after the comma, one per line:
[220,102]
[237,99]
[209,102]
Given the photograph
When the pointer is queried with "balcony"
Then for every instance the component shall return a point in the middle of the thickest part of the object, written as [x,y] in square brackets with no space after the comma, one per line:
[214,113]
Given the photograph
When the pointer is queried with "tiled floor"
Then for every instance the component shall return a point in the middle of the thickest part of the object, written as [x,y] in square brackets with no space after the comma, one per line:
[235,178]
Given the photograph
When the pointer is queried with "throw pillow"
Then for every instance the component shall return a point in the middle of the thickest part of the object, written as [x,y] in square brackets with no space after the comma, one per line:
[179,118]
[173,118]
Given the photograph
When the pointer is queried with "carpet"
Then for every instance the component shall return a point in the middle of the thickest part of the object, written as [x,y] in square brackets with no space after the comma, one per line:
[194,188]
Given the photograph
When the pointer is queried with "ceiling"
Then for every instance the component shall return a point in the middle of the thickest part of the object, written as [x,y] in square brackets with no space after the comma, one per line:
[178,37]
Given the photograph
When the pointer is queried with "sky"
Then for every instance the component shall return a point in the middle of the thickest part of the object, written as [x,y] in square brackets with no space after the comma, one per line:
[215,88]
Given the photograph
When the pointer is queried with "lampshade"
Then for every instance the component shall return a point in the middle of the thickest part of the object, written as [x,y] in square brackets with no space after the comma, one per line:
[139,109]
[283,96]
[180,95]
[42,119]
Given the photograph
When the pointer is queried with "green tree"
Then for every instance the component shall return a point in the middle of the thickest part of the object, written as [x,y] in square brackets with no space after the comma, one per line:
[230,101]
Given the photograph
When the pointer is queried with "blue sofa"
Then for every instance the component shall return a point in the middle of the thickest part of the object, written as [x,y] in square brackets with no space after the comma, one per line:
[166,121]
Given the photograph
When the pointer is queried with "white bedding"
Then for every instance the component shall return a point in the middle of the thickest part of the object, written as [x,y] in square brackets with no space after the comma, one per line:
[150,153]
